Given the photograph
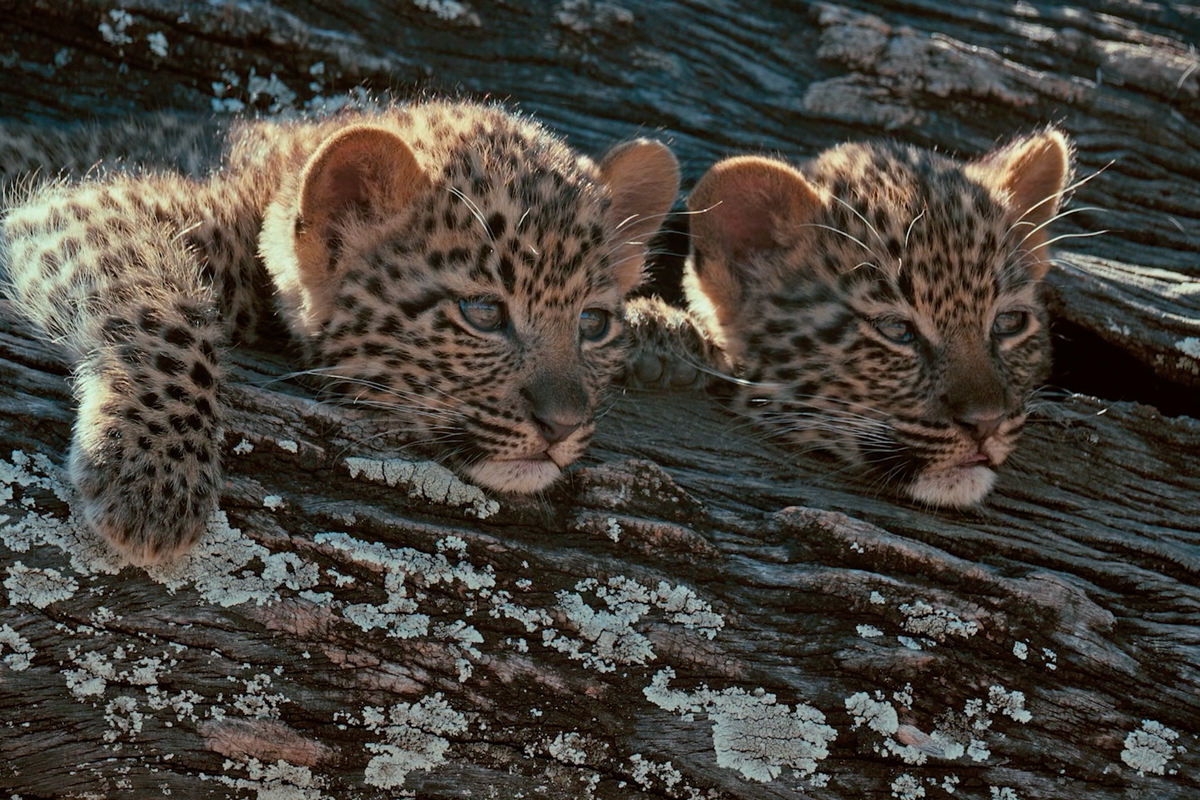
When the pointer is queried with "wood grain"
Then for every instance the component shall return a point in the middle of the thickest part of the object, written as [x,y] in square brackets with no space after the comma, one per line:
[694,612]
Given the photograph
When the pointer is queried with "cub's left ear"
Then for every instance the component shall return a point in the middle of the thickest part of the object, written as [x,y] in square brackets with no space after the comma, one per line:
[643,179]
[1031,173]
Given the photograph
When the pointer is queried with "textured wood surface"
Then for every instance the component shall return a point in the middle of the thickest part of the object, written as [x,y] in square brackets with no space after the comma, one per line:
[694,613]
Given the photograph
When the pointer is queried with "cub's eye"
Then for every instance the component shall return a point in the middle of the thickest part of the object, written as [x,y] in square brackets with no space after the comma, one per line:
[1010,323]
[594,323]
[894,329]
[484,315]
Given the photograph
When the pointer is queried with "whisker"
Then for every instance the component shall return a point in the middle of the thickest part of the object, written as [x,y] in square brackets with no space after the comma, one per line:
[1065,236]
[912,225]
[475,211]
[855,212]
[842,233]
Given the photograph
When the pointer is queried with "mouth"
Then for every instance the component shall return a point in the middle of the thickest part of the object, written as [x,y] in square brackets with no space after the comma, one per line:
[516,475]
[979,459]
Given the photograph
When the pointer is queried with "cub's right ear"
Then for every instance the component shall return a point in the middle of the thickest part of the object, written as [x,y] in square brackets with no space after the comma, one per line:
[361,174]
[361,171]
[742,208]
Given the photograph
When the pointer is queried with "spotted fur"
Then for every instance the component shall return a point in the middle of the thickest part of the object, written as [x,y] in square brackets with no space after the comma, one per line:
[882,303]
[451,264]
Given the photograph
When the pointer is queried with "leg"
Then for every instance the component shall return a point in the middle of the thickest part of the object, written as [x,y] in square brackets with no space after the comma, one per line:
[126,298]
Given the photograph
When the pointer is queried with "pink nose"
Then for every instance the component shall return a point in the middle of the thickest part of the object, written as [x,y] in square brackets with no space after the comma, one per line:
[981,425]
[554,430]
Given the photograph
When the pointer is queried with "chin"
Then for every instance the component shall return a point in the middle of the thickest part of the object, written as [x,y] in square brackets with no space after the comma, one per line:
[516,476]
[958,487]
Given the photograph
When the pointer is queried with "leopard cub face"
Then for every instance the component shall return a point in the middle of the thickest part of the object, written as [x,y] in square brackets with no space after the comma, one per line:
[465,274]
[881,302]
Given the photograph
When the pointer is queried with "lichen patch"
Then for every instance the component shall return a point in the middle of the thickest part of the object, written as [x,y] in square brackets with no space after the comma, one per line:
[425,480]
[752,732]
[1150,748]
[33,528]
[38,587]
[273,781]
[216,567]
[413,738]
[607,636]
[20,651]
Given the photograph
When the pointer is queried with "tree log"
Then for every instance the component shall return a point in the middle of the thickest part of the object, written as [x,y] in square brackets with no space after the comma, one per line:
[694,612]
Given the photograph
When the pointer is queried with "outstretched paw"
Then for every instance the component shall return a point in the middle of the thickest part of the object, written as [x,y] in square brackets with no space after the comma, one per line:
[151,506]
[668,351]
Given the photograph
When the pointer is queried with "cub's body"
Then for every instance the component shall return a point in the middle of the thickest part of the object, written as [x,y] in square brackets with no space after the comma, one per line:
[454,265]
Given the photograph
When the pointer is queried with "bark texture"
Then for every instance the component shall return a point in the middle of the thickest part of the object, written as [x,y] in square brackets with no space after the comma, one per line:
[694,613]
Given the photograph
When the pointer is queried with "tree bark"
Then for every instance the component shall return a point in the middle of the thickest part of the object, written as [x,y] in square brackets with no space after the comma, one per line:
[694,612]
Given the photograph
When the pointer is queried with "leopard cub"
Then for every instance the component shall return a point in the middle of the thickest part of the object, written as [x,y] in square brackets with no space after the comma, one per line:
[454,266]
[880,302]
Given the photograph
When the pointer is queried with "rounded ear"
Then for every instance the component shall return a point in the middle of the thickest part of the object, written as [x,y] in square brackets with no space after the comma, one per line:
[643,181]
[1031,173]
[741,207]
[361,171]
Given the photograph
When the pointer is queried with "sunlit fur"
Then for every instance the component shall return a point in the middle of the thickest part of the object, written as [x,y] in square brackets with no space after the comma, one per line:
[144,276]
[888,238]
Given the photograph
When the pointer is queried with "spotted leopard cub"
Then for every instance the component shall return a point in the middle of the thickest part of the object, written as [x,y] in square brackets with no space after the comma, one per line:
[881,302]
[456,267]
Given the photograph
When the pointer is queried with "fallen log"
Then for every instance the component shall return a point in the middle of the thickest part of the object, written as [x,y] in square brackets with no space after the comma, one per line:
[694,612]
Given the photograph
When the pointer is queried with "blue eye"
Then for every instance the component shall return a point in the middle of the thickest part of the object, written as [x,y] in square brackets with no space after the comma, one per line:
[1010,323]
[594,324]
[484,315]
[896,330]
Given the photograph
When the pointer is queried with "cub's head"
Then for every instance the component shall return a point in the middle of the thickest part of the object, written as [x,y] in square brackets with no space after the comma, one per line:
[465,272]
[882,302]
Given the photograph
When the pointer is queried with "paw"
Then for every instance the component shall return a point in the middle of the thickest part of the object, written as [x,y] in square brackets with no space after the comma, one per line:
[151,504]
[668,351]
[650,368]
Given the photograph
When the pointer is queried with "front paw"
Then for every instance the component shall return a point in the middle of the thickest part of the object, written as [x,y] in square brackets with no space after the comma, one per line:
[149,497]
[668,351]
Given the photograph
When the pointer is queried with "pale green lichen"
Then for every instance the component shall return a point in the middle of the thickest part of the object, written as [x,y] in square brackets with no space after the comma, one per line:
[907,787]
[87,552]
[936,623]
[425,480]
[752,733]
[37,586]
[216,567]
[398,613]
[607,635]
[465,637]
[20,653]
[962,733]
[277,781]
[644,771]
[123,719]
[878,715]
[1150,747]
[257,702]
[92,677]
[568,748]
[412,739]
[1010,704]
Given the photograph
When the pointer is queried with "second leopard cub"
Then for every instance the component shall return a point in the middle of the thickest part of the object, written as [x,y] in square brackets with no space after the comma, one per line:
[881,302]
[455,266]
